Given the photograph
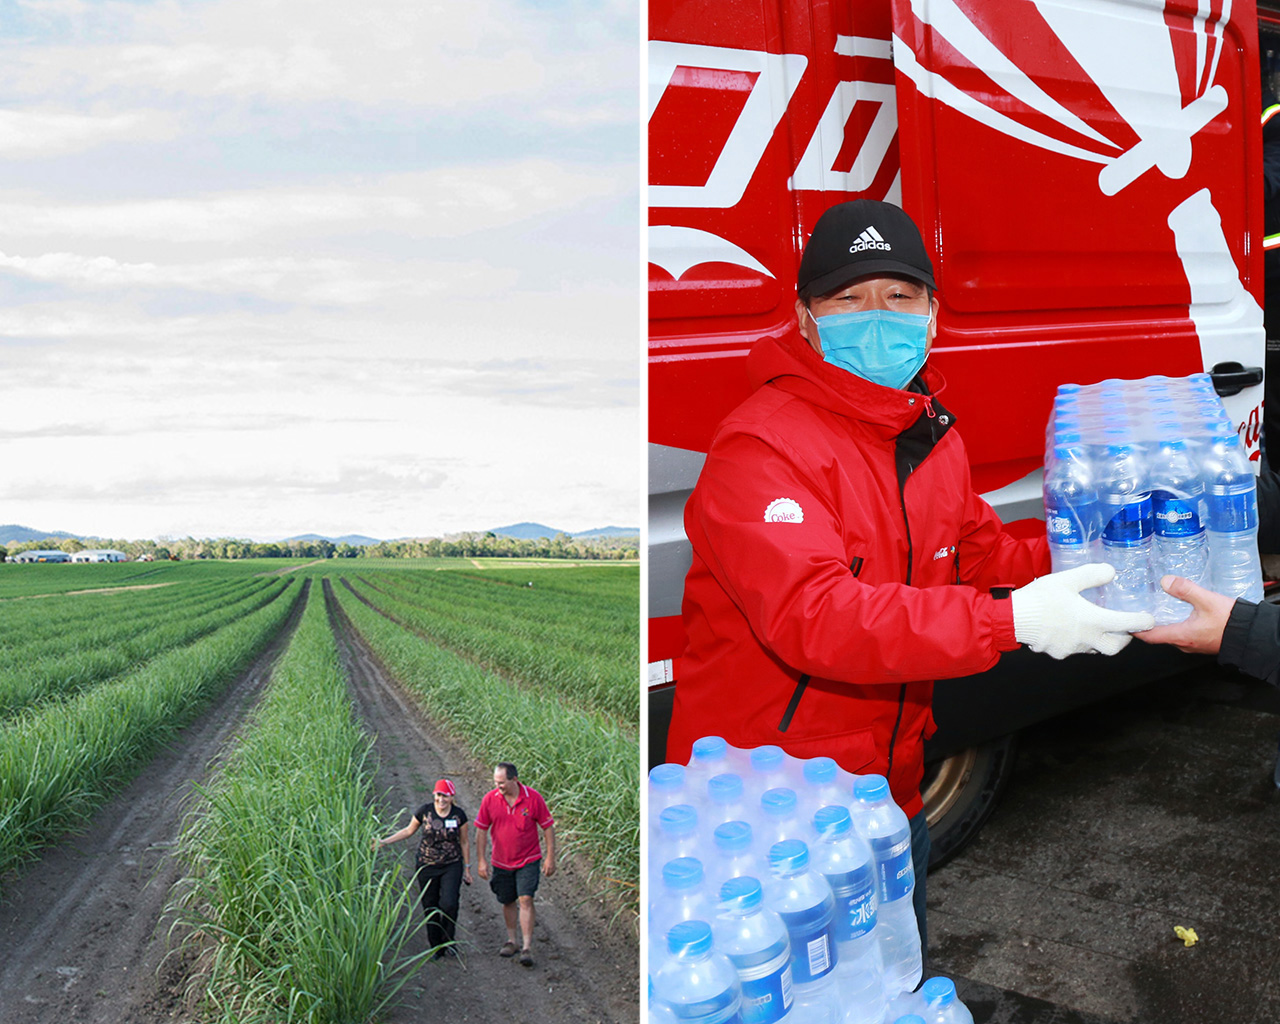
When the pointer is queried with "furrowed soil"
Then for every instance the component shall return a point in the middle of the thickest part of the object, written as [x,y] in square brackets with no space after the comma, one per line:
[84,937]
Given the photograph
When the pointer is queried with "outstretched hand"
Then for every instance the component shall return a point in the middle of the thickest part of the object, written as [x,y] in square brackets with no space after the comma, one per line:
[1201,631]
[1051,617]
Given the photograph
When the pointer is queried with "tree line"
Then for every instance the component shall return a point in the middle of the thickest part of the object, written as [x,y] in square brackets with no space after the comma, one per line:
[464,545]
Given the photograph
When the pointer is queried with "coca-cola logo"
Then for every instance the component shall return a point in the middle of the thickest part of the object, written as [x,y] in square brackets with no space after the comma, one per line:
[784,510]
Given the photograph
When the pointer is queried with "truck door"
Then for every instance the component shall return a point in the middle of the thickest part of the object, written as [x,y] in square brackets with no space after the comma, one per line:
[1090,178]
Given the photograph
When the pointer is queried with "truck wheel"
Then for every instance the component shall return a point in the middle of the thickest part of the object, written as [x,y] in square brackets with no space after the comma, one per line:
[960,793]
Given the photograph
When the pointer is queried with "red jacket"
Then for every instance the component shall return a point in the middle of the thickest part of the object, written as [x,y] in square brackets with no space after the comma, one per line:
[817,615]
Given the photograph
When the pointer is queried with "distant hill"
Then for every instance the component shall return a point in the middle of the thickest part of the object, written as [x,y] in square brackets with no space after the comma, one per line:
[13,533]
[354,539]
[537,531]
[610,531]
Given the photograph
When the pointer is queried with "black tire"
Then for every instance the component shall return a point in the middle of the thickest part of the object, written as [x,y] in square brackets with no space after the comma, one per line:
[960,793]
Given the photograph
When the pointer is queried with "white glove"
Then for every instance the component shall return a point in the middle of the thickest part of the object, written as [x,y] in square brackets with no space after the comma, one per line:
[1051,617]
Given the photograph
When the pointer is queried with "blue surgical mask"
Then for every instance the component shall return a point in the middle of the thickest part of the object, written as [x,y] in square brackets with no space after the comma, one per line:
[879,345]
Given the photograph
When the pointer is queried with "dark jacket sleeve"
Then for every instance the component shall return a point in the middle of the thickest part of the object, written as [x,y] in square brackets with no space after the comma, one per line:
[1268,511]
[1251,641]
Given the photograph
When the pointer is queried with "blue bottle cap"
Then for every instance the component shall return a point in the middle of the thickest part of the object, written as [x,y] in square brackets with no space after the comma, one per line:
[667,776]
[710,748]
[939,991]
[732,836]
[778,803]
[789,855]
[689,938]
[741,893]
[767,758]
[678,819]
[682,873]
[832,820]
[870,788]
[820,771]
[725,789]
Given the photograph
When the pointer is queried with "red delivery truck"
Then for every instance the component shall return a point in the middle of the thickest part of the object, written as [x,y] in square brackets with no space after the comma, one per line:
[1088,179]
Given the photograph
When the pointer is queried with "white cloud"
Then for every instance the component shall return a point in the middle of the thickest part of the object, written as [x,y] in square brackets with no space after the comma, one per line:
[26,134]
[448,202]
[280,279]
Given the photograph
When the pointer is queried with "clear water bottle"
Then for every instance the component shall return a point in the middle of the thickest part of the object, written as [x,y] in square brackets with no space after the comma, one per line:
[1126,536]
[666,787]
[804,901]
[1177,505]
[755,941]
[845,860]
[771,768]
[699,985]
[682,896]
[1071,508]
[882,823]
[780,816]
[711,755]
[726,800]
[825,783]
[1231,494]
[677,835]
[735,854]
[910,1018]
[942,1005]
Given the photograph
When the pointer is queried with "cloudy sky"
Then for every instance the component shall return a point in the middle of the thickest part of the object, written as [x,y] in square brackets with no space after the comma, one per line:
[281,266]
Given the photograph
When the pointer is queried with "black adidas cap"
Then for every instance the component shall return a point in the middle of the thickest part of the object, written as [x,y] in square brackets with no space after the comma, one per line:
[862,237]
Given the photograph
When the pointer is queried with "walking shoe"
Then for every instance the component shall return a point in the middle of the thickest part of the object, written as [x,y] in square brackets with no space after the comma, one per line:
[508,949]
[526,958]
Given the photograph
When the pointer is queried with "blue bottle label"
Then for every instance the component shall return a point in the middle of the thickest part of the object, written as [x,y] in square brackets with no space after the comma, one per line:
[1174,516]
[1232,513]
[1130,524]
[1066,525]
[855,904]
[897,877]
[766,990]
[813,954]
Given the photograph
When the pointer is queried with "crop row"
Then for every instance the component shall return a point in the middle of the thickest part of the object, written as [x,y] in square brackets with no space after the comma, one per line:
[601,610]
[584,763]
[40,678]
[37,629]
[562,656]
[307,925]
[58,761]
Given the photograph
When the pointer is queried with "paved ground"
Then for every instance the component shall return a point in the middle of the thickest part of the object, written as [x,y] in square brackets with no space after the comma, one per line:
[1152,811]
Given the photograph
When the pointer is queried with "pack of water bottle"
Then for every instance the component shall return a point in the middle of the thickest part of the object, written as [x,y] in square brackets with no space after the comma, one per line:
[780,890]
[1150,476]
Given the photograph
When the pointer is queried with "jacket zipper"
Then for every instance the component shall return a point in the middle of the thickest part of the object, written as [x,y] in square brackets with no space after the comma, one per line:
[902,690]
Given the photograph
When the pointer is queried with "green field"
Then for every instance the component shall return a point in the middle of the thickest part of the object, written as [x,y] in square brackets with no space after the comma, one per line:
[515,662]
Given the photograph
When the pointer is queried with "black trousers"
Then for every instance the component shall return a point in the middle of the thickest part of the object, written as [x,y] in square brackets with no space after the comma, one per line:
[440,887]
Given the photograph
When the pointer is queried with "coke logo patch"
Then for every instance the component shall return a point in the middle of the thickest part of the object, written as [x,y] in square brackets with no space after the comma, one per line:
[784,510]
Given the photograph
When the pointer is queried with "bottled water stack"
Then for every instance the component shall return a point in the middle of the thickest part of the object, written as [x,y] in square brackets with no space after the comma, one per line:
[801,852]
[1150,476]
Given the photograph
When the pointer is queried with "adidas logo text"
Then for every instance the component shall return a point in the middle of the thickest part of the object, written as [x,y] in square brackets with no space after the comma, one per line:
[870,239]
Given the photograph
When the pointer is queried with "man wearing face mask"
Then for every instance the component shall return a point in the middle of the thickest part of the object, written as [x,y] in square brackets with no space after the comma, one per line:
[841,558]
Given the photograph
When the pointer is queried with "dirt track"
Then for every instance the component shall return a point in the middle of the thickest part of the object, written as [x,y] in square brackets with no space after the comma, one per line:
[83,934]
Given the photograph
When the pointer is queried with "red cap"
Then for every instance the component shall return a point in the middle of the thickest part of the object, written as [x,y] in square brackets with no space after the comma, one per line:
[445,786]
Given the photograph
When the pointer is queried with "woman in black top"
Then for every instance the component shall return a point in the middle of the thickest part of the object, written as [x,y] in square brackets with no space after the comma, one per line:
[443,862]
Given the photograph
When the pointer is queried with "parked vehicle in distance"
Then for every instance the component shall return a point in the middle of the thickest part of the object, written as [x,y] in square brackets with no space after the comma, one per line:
[1088,179]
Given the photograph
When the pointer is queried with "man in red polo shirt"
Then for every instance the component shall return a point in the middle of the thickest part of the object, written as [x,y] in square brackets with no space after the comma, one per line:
[514,812]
